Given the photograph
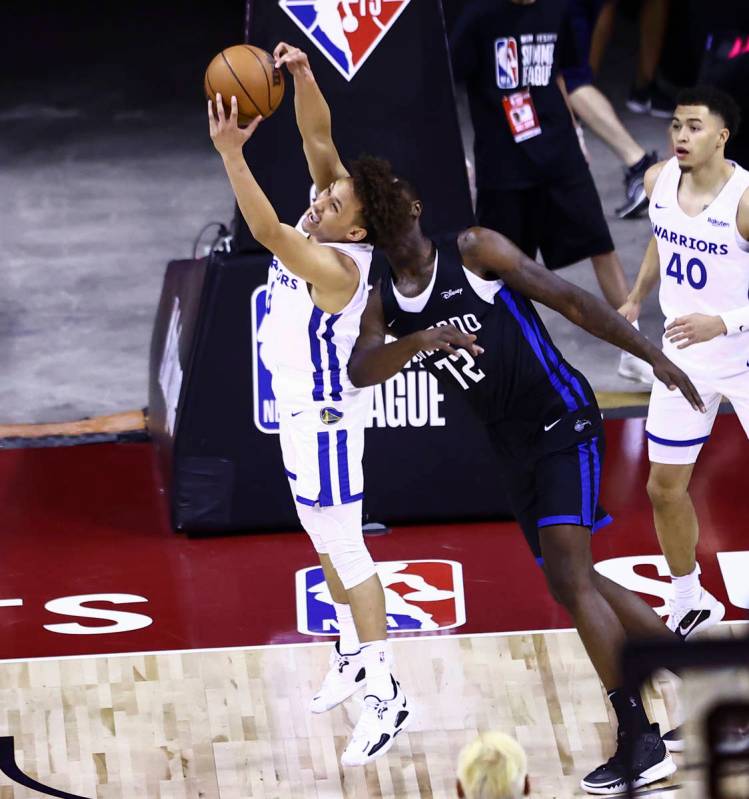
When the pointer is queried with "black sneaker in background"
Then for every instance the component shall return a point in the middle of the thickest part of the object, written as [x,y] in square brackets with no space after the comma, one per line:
[638,101]
[662,104]
[634,187]
[651,99]
[652,762]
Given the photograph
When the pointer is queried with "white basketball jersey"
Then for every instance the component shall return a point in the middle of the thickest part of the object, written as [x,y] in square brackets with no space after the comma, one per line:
[306,349]
[704,264]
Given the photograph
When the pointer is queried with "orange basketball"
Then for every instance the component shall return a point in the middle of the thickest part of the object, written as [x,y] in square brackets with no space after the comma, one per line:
[249,74]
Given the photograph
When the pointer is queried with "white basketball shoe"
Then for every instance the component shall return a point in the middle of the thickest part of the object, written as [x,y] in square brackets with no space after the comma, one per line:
[344,678]
[634,368]
[697,617]
[379,724]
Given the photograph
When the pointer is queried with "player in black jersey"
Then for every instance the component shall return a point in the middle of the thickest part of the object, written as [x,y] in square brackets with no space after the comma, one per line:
[461,306]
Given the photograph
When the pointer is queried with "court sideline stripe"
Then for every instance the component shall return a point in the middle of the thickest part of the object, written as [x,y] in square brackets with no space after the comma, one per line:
[298,644]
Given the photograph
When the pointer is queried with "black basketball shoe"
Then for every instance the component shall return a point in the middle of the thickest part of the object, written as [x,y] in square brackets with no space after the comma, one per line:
[634,187]
[651,763]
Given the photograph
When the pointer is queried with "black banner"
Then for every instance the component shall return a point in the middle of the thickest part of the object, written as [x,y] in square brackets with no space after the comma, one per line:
[385,73]
[213,417]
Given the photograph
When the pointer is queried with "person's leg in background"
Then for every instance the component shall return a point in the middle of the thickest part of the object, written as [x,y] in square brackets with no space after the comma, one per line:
[601,35]
[593,108]
[646,97]
[574,229]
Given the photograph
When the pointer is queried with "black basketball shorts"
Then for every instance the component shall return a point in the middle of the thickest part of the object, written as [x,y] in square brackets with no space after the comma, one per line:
[557,488]
[562,218]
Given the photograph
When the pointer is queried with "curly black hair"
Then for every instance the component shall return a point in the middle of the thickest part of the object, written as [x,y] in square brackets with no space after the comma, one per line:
[716,101]
[386,207]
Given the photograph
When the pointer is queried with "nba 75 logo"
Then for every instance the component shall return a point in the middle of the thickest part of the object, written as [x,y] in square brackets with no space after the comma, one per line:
[345,31]
[420,595]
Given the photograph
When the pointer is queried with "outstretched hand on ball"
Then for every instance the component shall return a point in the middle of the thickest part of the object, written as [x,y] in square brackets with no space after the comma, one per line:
[295,59]
[226,134]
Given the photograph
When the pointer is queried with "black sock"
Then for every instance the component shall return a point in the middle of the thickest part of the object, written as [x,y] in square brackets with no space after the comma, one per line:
[627,707]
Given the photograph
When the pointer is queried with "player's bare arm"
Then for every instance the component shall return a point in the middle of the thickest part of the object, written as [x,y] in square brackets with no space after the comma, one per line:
[333,275]
[696,327]
[647,279]
[373,361]
[485,251]
[312,118]
[649,274]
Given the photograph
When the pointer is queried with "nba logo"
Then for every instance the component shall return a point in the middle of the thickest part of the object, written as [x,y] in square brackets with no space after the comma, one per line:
[264,410]
[346,32]
[508,67]
[420,596]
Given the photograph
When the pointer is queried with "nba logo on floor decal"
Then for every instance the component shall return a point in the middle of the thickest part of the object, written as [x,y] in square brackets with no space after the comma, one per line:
[508,67]
[420,596]
[345,31]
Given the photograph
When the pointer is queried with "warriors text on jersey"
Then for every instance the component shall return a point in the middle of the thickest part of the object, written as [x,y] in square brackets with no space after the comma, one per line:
[521,382]
[306,349]
[704,263]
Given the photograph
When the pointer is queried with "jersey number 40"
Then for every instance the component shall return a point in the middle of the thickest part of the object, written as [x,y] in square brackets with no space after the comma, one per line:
[696,273]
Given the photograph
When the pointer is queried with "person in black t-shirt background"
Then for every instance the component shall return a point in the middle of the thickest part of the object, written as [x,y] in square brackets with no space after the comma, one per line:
[533,182]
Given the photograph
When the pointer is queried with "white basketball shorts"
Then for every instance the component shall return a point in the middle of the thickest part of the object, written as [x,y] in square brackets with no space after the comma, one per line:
[322,444]
[676,432]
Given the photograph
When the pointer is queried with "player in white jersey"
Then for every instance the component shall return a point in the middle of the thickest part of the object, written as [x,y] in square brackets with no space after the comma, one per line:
[699,211]
[316,294]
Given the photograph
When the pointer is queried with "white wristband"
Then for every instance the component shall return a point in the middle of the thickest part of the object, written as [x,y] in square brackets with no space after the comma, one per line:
[736,321]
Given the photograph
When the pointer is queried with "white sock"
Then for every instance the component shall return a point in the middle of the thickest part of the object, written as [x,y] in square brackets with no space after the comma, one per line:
[348,643]
[636,324]
[687,589]
[376,656]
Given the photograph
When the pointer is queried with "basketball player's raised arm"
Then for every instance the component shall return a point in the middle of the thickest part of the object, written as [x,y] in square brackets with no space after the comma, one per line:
[484,250]
[312,118]
[325,268]
[373,361]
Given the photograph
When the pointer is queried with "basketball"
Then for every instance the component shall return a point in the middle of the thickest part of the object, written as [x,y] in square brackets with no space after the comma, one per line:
[249,74]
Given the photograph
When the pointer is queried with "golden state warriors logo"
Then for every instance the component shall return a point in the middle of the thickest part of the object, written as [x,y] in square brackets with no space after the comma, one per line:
[345,31]
[330,416]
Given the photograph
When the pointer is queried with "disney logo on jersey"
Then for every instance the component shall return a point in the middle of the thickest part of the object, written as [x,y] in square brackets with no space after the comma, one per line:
[446,295]
[508,66]
[689,242]
[346,32]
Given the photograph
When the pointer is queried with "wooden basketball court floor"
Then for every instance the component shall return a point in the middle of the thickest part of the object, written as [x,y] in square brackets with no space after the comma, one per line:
[200,687]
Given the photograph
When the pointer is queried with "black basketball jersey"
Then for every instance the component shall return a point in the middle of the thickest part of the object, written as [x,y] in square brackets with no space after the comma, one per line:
[521,382]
